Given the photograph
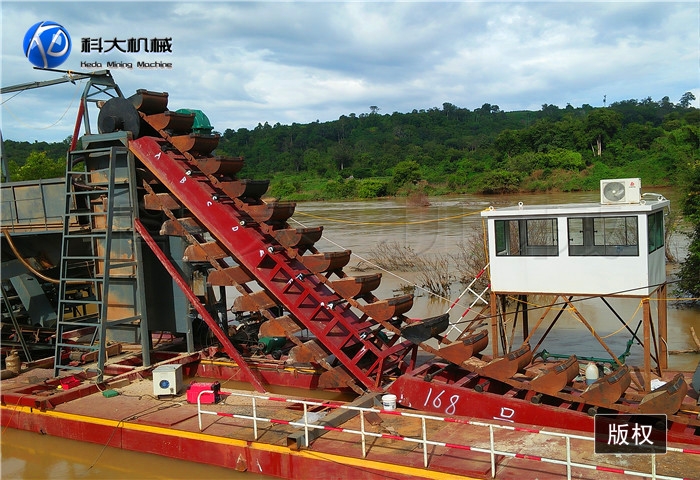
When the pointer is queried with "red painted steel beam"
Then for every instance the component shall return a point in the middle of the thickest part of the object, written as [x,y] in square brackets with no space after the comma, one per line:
[76,129]
[213,325]
[276,271]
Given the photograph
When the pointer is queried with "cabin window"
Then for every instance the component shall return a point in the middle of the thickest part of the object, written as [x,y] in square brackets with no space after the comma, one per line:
[603,236]
[656,230]
[533,237]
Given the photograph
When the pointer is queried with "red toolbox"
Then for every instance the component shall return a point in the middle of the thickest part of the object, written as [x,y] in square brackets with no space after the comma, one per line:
[211,397]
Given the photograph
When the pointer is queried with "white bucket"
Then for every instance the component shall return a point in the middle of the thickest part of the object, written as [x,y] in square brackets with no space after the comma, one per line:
[591,373]
[389,402]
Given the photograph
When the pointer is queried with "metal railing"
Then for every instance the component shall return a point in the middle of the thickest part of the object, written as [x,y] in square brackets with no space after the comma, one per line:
[33,205]
[492,451]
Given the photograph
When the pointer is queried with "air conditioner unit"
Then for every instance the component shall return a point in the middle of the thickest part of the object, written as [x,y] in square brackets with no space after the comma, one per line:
[620,190]
[167,380]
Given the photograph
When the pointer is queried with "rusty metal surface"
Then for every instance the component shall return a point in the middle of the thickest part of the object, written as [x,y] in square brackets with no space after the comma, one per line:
[298,237]
[221,165]
[326,261]
[247,189]
[354,287]
[666,399]
[422,330]
[173,121]
[503,368]
[271,212]
[196,143]
[149,102]
[335,378]
[384,310]
[460,351]
[555,378]
[310,351]
[156,201]
[253,302]
[230,276]
[279,327]
[204,252]
[608,390]
[181,227]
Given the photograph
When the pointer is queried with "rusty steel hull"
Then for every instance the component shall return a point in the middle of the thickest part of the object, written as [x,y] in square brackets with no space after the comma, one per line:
[85,414]
[489,399]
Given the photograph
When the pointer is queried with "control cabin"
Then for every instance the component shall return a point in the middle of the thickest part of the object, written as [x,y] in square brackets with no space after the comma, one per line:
[608,249]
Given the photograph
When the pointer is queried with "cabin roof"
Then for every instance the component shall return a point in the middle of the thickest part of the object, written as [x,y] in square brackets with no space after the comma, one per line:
[577,209]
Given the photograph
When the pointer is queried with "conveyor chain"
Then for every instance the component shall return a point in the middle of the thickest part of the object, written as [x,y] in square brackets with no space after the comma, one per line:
[189,181]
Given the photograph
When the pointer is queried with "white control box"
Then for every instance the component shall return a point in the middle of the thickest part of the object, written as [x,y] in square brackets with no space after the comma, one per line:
[167,380]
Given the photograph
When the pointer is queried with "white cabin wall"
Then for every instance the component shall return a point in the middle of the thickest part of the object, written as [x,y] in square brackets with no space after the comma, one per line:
[592,275]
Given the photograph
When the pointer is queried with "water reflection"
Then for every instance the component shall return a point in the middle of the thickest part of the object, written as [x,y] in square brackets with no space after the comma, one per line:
[28,455]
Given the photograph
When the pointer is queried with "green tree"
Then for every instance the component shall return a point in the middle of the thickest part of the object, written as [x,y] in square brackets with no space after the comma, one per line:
[405,172]
[315,162]
[500,181]
[38,165]
[601,126]
[508,142]
[689,274]
[686,99]
[371,188]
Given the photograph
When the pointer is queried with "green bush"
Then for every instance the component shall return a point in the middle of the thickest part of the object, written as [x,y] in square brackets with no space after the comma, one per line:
[38,165]
[337,190]
[371,188]
[500,181]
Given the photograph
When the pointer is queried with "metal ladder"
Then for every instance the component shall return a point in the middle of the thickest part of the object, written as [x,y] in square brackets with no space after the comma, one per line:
[9,304]
[101,291]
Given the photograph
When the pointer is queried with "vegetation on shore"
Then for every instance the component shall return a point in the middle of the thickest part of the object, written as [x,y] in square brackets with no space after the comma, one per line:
[453,150]
[448,150]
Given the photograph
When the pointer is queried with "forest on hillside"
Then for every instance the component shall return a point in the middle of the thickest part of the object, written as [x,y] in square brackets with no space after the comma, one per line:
[447,150]
[457,150]
[452,150]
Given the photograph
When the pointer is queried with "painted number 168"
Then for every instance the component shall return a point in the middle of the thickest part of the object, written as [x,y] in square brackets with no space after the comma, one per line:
[437,401]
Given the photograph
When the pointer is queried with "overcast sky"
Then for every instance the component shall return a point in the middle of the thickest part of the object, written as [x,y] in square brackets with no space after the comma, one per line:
[245,63]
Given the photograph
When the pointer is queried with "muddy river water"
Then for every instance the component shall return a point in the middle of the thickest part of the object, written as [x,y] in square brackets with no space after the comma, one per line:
[360,226]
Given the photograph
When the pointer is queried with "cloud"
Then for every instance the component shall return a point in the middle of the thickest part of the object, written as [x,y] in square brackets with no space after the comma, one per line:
[245,63]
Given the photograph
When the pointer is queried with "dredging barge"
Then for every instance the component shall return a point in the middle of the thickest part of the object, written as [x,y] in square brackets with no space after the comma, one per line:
[129,249]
